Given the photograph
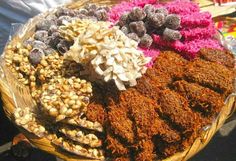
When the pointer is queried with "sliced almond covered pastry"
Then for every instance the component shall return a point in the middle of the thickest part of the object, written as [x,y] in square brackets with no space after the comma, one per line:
[27,119]
[65,97]
[80,136]
[80,120]
[78,149]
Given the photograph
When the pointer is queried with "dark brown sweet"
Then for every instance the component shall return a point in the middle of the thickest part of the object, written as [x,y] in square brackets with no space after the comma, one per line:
[203,99]
[138,28]
[211,75]
[134,37]
[114,146]
[170,63]
[148,88]
[121,159]
[137,14]
[172,21]
[167,134]
[146,41]
[96,113]
[152,82]
[176,109]
[171,35]
[96,108]
[145,117]
[120,123]
[224,57]
[146,151]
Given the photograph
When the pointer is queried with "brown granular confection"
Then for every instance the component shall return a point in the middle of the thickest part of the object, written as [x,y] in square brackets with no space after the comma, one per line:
[120,123]
[167,134]
[148,88]
[143,113]
[212,75]
[121,159]
[152,82]
[170,149]
[176,109]
[146,151]
[96,109]
[114,147]
[125,97]
[161,79]
[145,145]
[96,113]
[170,63]
[111,97]
[224,57]
[129,102]
[208,101]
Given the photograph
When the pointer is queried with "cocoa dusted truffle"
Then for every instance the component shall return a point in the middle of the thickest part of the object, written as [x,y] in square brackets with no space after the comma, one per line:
[45,25]
[63,46]
[134,37]
[138,28]
[150,20]
[172,21]
[149,9]
[156,19]
[124,19]
[137,14]
[35,56]
[101,15]
[162,10]
[171,35]
[41,35]
[125,29]
[146,41]
[83,11]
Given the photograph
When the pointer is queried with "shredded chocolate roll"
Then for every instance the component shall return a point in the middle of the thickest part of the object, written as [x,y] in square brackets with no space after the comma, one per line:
[224,57]
[176,109]
[171,63]
[212,75]
[203,99]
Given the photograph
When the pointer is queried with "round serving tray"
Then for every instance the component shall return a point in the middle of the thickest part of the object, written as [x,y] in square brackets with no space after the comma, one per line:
[15,94]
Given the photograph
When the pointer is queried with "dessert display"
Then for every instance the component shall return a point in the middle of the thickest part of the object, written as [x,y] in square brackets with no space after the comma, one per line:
[139,80]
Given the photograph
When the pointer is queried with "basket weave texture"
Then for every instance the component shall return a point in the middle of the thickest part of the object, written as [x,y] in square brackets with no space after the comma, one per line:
[14,94]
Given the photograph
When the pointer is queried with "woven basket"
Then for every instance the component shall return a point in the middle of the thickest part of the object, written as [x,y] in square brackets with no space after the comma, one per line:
[15,94]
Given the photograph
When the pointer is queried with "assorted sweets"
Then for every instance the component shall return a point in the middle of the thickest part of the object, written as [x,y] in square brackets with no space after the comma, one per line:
[140,23]
[181,21]
[138,81]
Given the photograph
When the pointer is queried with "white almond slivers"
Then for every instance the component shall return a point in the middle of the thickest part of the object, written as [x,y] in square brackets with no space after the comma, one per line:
[27,119]
[78,149]
[109,53]
[81,137]
[81,121]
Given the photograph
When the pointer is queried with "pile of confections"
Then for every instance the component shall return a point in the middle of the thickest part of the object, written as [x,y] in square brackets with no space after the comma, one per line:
[137,81]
